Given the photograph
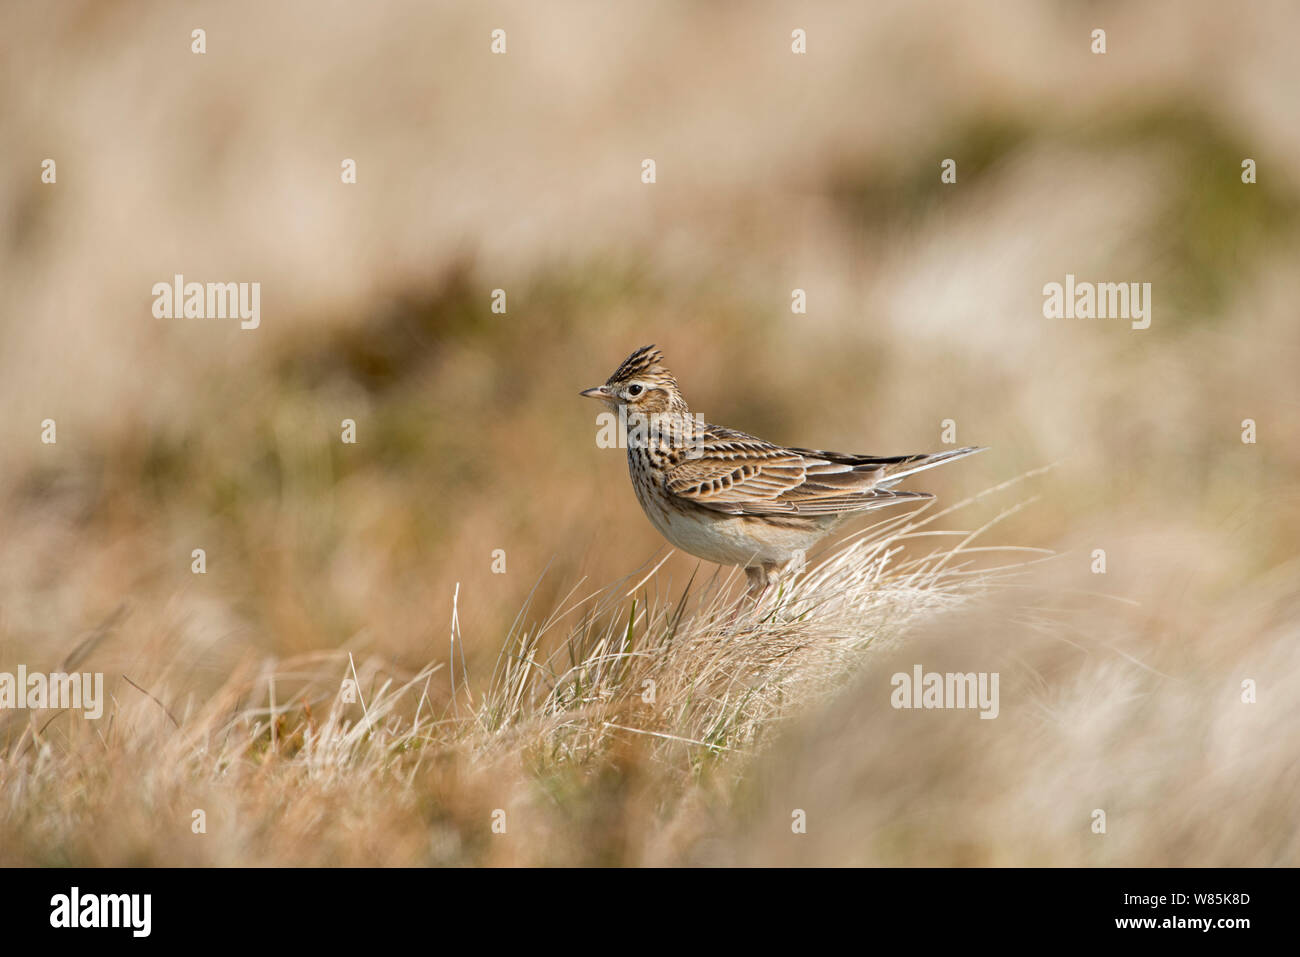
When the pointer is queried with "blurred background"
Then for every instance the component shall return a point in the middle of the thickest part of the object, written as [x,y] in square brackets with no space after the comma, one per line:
[775,172]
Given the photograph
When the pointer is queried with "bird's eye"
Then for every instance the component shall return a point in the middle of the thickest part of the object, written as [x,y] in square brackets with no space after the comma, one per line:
[634,390]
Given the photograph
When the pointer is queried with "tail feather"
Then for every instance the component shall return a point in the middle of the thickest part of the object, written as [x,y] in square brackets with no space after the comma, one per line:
[892,468]
[919,463]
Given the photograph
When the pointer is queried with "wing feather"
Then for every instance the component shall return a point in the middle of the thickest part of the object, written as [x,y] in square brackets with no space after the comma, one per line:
[739,474]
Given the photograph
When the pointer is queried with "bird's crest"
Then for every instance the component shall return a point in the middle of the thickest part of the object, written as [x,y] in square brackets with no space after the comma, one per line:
[646,362]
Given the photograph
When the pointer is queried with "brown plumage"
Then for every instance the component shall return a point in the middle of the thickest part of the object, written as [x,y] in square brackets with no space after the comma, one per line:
[733,498]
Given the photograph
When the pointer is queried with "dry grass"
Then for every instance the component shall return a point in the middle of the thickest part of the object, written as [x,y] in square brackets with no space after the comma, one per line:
[688,688]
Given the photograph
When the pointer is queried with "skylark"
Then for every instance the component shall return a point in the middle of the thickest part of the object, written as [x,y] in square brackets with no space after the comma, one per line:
[732,498]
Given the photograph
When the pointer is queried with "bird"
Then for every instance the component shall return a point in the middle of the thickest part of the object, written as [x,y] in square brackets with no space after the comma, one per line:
[732,498]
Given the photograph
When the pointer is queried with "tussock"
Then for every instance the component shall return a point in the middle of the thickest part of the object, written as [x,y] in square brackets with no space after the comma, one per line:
[688,680]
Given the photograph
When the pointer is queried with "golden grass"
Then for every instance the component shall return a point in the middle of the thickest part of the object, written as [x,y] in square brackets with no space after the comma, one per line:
[688,687]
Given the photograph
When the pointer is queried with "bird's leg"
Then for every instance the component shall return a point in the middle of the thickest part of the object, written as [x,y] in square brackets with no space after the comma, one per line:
[761,578]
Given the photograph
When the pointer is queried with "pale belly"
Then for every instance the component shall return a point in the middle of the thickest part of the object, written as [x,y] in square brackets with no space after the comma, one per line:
[727,539]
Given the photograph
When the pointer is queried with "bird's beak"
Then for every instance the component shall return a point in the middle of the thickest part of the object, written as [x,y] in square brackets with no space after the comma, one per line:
[599,392]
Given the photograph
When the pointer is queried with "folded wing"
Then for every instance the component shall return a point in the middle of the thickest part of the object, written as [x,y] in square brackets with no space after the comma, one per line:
[740,474]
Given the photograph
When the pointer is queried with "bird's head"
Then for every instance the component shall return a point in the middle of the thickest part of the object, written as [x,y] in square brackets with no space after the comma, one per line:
[641,384]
